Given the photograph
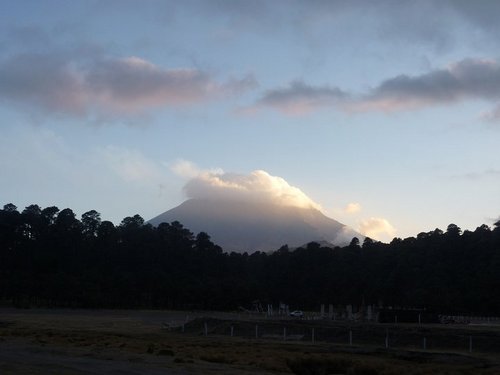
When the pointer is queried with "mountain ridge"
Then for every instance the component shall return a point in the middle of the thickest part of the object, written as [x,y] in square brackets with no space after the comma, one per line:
[257,226]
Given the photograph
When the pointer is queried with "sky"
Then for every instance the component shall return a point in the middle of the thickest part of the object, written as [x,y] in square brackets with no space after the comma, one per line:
[385,114]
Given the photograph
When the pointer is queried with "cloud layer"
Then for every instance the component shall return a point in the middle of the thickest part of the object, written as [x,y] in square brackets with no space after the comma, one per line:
[114,86]
[465,79]
[101,86]
[299,98]
[258,186]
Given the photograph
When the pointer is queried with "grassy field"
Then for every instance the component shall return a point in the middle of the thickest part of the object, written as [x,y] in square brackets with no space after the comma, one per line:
[154,342]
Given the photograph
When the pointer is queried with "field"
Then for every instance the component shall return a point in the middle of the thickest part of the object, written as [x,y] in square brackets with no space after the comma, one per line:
[36,341]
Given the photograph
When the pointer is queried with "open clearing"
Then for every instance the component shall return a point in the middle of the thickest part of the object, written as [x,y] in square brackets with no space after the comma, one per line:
[40,341]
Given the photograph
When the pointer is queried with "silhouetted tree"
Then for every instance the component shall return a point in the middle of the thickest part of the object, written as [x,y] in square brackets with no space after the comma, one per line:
[91,222]
[50,258]
[354,242]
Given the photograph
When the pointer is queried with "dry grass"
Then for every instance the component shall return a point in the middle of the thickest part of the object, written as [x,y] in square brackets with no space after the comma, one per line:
[130,339]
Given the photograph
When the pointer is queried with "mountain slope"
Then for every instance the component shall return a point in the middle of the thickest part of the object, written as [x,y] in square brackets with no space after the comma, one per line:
[242,226]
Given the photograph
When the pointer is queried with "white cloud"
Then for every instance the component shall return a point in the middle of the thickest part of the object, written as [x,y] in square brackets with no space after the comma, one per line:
[43,168]
[352,208]
[189,170]
[185,168]
[377,228]
[257,186]
[132,166]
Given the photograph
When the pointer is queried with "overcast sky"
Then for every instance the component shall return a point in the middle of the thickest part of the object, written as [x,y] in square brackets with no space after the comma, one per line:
[385,114]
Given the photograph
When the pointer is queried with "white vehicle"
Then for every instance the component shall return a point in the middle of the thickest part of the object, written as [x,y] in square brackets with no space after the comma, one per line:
[297,314]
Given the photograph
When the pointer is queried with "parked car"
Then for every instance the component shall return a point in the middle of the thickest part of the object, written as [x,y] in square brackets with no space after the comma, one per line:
[297,314]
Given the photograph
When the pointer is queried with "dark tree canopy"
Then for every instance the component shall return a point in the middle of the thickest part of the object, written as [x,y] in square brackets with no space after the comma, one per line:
[50,258]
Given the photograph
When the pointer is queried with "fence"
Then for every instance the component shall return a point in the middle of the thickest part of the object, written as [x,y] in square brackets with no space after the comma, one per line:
[397,336]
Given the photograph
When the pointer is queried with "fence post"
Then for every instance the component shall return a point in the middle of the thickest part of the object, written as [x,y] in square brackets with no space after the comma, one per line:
[284,333]
[312,335]
[206,329]
[232,331]
[387,339]
[425,343]
[350,337]
[470,344]
[256,331]
[419,320]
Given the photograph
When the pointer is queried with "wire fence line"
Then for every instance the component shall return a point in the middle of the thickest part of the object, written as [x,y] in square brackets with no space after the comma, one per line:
[402,336]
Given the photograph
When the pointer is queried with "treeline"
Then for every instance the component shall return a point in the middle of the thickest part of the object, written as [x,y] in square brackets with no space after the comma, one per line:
[48,257]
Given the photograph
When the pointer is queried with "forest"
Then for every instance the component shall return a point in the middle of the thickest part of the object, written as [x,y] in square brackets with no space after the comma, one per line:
[50,258]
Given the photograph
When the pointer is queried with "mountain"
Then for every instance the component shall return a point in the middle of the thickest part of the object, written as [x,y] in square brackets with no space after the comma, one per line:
[256,226]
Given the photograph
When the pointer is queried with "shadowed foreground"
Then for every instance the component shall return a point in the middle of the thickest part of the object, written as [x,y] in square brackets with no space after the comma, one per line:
[136,342]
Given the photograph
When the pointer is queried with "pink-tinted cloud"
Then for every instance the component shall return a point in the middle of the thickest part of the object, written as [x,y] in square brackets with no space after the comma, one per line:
[299,98]
[132,84]
[466,79]
[113,86]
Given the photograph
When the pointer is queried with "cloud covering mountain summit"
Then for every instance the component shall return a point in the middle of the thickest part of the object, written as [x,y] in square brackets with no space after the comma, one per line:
[258,186]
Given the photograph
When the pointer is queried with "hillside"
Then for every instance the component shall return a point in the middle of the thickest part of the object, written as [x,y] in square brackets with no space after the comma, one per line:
[254,226]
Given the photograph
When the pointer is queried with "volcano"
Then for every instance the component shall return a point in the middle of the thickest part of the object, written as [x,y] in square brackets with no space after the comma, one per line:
[257,226]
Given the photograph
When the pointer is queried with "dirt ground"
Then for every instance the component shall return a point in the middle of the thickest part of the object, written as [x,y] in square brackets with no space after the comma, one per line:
[38,341]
